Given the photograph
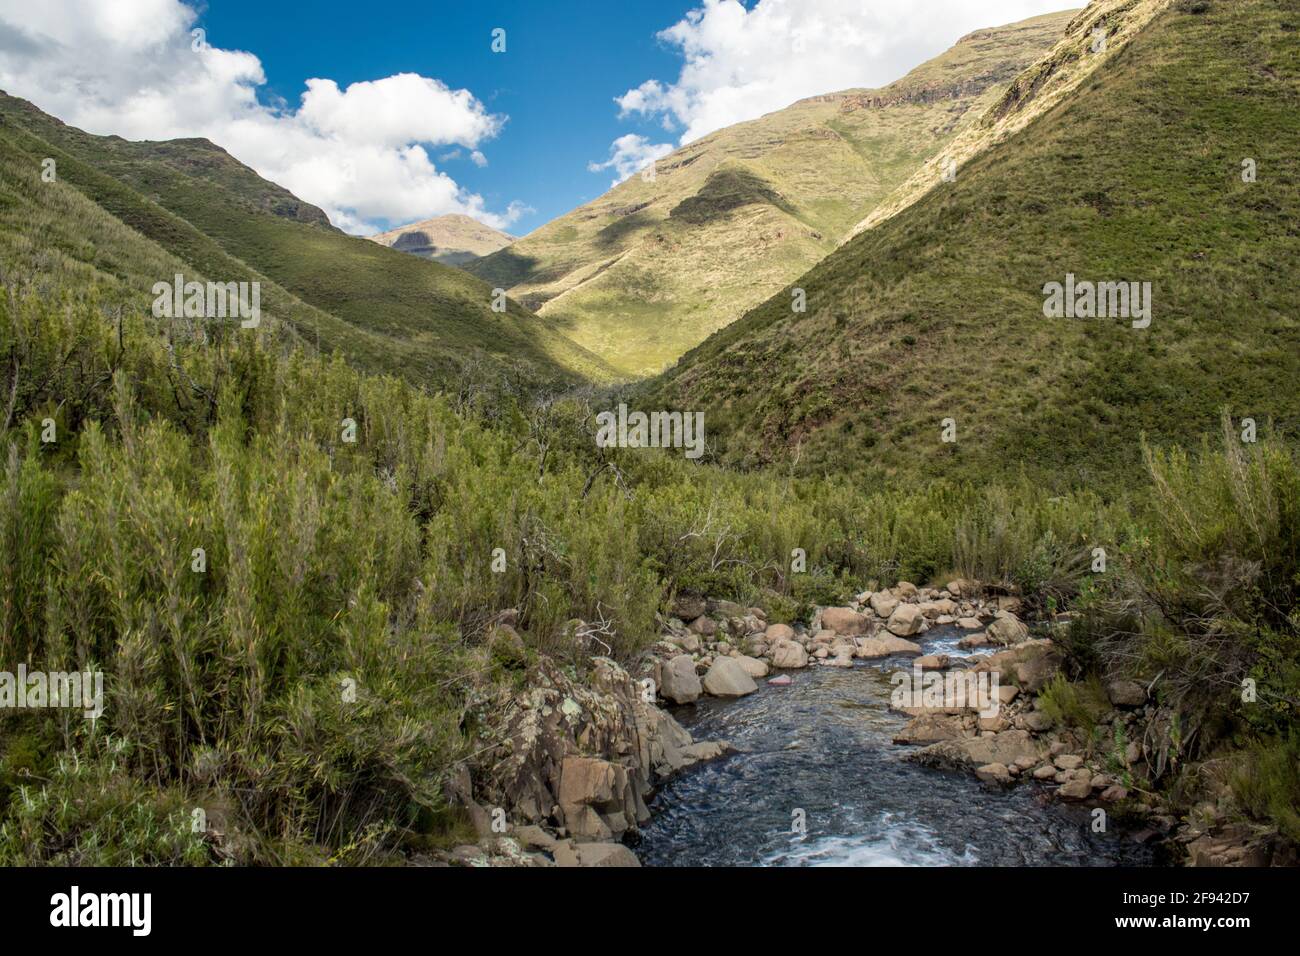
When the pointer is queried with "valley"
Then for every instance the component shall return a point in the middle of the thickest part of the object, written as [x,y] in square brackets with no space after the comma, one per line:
[612,544]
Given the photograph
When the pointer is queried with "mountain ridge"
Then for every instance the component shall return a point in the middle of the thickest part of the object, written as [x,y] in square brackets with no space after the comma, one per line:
[452,239]
[767,199]
[937,313]
[386,310]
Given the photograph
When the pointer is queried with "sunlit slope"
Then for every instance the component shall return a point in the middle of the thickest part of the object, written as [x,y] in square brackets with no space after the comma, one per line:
[937,313]
[649,269]
[389,311]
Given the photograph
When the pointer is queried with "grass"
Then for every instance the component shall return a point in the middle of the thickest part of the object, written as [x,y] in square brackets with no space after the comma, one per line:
[387,310]
[937,312]
[650,269]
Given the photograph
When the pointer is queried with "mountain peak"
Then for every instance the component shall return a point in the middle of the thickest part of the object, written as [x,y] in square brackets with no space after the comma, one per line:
[453,239]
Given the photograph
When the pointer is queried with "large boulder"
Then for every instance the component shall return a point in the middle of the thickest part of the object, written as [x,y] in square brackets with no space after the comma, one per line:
[789,655]
[679,682]
[727,678]
[752,666]
[1006,628]
[968,753]
[778,632]
[886,646]
[929,729]
[906,620]
[845,621]
[883,603]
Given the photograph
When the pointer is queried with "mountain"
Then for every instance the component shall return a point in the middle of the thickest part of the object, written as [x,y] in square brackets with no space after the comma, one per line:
[190,204]
[1138,174]
[453,240]
[649,269]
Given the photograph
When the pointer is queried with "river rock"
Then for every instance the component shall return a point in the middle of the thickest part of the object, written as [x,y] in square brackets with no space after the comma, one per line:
[1033,663]
[883,603]
[688,607]
[970,752]
[939,609]
[870,648]
[727,678]
[906,620]
[789,655]
[569,854]
[960,588]
[778,632]
[929,729]
[932,662]
[679,682]
[780,680]
[1009,603]
[752,666]
[1078,787]
[994,773]
[1006,628]
[704,626]
[845,621]
[726,609]
[1036,721]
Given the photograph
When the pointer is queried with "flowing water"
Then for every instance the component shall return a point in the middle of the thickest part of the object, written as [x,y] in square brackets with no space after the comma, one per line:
[823,746]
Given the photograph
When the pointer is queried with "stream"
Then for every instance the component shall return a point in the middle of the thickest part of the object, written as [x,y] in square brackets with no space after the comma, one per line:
[823,746]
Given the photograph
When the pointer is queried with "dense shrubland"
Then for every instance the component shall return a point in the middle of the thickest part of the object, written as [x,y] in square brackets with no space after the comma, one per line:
[368,565]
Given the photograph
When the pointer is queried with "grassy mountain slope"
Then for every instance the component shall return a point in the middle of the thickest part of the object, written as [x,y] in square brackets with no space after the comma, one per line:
[938,312]
[385,310]
[453,240]
[651,268]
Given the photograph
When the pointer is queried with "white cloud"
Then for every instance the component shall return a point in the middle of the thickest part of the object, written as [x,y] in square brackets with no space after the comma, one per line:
[741,63]
[130,67]
[629,155]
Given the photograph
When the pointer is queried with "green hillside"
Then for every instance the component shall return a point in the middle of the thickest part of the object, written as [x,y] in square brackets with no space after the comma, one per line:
[649,269]
[938,312]
[384,310]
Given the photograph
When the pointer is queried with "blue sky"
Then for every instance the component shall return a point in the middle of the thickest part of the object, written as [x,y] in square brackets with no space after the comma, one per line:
[386,113]
[565,62]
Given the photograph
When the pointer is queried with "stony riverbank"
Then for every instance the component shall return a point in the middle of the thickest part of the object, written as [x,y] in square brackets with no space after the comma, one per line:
[570,767]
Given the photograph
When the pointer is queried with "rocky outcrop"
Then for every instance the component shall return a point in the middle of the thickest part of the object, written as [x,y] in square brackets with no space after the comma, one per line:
[678,681]
[574,760]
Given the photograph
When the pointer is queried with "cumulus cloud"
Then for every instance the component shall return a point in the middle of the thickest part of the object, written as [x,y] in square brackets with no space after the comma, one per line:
[137,69]
[629,155]
[739,63]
